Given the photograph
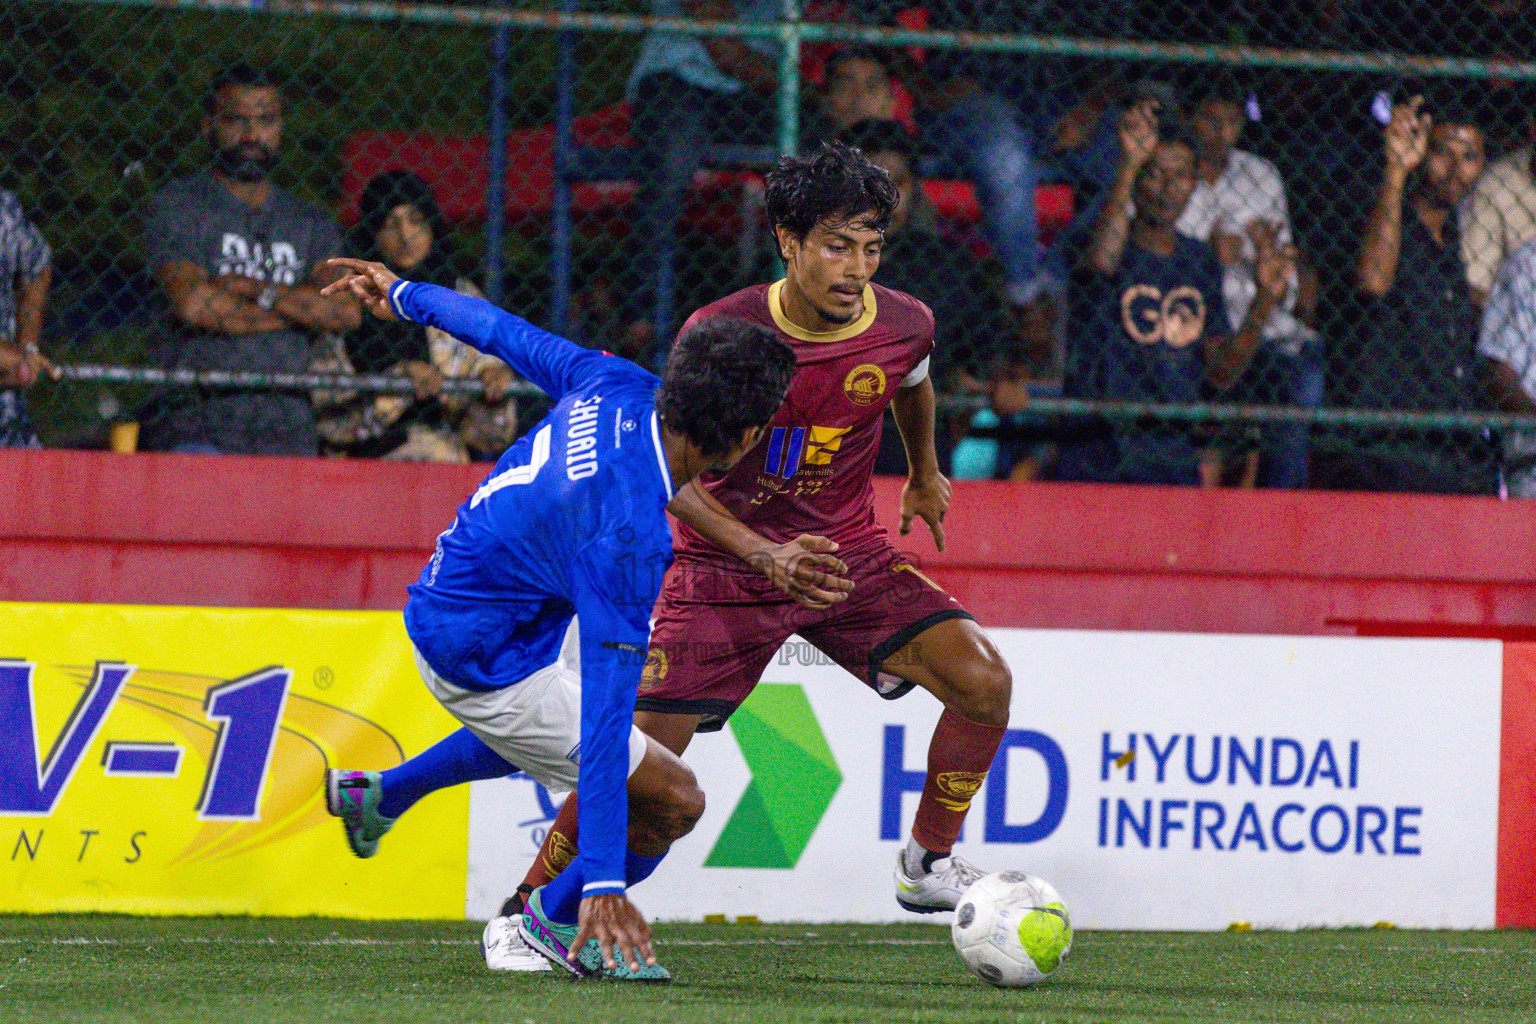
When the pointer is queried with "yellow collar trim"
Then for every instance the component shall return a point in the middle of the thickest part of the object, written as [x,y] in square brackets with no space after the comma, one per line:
[853,330]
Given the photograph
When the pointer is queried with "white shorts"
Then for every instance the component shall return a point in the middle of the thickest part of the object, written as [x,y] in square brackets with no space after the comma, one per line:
[535,724]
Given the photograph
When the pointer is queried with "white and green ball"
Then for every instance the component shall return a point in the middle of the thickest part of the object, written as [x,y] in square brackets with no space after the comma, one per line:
[1012,929]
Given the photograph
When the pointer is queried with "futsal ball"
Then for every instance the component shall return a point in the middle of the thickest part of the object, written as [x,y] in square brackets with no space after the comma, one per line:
[1012,929]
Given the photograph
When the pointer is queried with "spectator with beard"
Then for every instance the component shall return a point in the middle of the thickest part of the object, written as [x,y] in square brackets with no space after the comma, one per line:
[239,261]
[400,226]
[1420,325]
[1157,328]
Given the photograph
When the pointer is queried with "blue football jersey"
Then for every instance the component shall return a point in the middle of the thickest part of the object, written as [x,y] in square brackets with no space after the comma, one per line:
[572,521]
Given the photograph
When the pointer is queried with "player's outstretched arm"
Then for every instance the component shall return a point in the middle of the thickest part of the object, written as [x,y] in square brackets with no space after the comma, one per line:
[368,282]
[613,604]
[805,568]
[548,360]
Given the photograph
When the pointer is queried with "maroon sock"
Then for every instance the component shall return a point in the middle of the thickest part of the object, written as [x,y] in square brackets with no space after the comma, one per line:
[559,847]
[958,758]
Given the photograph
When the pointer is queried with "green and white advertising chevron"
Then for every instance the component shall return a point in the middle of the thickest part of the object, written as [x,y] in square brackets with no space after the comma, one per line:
[794,778]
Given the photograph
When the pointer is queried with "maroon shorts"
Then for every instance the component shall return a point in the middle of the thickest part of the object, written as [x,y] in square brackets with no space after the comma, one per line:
[717,629]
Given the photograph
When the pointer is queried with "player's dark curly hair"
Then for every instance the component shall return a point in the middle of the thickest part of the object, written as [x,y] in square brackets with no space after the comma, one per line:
[723,377]
[833,182]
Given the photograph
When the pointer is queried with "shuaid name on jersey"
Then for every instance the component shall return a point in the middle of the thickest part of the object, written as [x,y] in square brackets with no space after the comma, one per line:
[581,440]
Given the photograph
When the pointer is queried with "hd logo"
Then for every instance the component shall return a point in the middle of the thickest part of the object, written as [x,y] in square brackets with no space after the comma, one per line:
[789,448]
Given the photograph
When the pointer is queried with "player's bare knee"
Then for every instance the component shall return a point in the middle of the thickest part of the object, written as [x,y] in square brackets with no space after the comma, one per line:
[682,805]
[676,805]
[687,807]
[985,692]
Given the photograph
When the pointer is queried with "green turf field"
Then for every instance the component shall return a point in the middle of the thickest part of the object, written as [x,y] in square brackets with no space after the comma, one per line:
[206,970]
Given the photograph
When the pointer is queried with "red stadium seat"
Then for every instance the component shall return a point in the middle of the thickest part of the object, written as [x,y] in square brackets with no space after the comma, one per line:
[455,167]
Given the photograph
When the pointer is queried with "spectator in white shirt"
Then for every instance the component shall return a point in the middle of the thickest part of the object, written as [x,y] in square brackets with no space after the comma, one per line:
[1500,213]
[1239,207]
[1508,342]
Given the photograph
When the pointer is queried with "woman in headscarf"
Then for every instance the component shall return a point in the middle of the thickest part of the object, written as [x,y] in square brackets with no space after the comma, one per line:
[400,226]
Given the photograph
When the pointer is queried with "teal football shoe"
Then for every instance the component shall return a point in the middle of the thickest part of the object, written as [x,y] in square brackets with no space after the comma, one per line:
[354,798]
[554,940]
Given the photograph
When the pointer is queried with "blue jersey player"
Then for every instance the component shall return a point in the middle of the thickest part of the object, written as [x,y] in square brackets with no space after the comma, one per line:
[572,523]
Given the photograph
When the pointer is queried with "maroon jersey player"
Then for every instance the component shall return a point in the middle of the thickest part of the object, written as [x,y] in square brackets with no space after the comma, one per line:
[859,349]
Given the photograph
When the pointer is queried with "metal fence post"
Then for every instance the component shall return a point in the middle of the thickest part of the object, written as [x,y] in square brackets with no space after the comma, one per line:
[789,96]
[789,80]
[495,189]
[561,232]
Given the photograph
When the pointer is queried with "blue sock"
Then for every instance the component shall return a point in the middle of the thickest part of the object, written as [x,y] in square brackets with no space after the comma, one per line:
[637,868]
[459,758]
[561,898]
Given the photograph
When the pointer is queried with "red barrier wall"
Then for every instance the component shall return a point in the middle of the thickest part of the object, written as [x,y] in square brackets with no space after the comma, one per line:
[1516,894]
[186,529]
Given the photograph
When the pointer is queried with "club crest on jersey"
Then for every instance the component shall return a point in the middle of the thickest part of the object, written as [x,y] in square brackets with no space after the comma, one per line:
[789,448]
[864,384]
[655,670]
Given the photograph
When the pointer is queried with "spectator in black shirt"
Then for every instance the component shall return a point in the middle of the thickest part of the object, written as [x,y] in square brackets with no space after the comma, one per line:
[1157,327]
[1418,350]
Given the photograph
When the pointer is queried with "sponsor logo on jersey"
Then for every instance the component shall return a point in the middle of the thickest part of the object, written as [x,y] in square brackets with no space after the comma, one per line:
[789,448]
[864,384]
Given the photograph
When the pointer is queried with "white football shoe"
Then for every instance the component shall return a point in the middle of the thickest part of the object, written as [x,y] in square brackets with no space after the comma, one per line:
[505,950]
[940,889]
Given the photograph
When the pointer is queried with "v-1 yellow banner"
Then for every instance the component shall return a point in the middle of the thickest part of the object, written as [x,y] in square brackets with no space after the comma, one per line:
[171,760]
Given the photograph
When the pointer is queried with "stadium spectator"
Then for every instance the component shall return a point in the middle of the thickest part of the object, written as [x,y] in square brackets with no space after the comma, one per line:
[26,268]
[1419,330]
[1238,205]
[970,120]
[1508,342]
[915,259]
[857,87]
[400,226]
[1158,328]
[687,92]
[238,260]
[1501,213]
[1081,132]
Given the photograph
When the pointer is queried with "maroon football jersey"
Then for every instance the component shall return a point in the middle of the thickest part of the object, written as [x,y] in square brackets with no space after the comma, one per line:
[811,471]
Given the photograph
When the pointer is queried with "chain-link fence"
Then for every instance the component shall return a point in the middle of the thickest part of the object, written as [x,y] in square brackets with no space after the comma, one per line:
[1168,242]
